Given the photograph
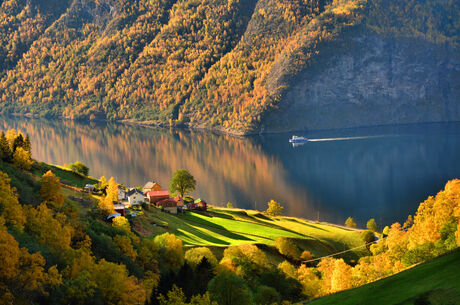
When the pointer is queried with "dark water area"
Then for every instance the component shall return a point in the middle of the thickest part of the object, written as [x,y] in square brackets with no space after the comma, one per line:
[379,172]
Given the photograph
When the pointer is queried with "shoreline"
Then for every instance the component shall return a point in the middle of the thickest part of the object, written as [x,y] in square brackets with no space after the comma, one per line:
[218,131]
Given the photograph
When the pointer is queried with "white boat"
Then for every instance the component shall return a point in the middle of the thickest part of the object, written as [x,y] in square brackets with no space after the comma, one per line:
[296,139]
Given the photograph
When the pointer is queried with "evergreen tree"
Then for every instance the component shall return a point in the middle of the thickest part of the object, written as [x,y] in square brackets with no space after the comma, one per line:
[18,142]
[5,150]
[27,145]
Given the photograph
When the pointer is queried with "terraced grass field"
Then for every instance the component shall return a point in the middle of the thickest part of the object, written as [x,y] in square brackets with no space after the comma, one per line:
[436,282]
[225,227]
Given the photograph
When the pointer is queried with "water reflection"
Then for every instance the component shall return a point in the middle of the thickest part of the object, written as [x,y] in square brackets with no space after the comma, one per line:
[377,172]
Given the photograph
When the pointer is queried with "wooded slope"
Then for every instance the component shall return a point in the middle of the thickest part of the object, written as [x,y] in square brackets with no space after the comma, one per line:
[220,64]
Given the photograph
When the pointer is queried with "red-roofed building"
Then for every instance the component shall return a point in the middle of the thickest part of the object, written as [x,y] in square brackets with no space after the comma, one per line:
[179,200]
[168,204]
[155,196]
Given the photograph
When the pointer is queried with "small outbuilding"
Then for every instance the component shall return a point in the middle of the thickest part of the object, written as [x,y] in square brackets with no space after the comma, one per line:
[112,216]
[201,204]
[89,188]
[119,208]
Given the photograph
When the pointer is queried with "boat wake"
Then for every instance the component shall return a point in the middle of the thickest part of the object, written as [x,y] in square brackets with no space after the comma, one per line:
[343,139]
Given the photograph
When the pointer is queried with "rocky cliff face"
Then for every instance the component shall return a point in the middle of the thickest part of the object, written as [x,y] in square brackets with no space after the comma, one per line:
[365,79]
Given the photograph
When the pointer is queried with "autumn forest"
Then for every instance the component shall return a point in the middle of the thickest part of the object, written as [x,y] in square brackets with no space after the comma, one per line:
[211,64]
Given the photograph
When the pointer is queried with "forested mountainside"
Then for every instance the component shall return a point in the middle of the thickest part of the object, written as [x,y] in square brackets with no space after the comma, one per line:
[239,66]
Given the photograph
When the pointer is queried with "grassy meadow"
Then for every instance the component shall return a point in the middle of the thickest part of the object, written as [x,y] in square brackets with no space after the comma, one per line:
[432,283]
[221,227]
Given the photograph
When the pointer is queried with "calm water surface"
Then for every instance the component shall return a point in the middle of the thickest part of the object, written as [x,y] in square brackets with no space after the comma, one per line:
[381,173]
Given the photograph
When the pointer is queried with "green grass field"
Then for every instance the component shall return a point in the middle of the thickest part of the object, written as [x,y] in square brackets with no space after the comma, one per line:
[226,227]
[433,283]
[67,176]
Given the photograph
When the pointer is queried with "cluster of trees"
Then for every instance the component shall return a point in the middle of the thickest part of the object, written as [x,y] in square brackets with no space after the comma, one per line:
[79,167]
[370,225]
[435,21]
[16,149]
[434,230]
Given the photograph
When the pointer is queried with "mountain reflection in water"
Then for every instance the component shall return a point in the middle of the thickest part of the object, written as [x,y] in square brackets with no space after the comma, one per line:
[380,172]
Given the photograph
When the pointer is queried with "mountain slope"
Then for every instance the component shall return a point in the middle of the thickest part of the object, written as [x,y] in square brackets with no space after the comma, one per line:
[434,282]
[239,66]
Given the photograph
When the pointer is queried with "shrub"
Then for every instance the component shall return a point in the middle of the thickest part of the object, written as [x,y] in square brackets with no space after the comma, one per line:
[368,236]
[80,168]
[265,295]
[287,247]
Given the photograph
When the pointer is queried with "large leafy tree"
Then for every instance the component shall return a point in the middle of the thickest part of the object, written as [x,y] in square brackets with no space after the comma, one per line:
[227,289]
[274,208]
[80,168]
[10,208]
[50,190]
[182,182]
[22,158]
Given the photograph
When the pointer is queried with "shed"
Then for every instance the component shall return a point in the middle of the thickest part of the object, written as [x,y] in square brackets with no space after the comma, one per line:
[201,204]
[112,216]
[89,188]
[119,208]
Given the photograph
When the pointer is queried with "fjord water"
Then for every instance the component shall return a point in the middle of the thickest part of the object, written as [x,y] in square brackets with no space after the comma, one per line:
[380,172]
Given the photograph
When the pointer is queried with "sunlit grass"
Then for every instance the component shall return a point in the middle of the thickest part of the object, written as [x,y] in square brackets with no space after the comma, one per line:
[434,282]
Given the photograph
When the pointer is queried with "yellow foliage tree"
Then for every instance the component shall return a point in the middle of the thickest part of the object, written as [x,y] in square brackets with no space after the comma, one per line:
[121,223]
[22,158]
[170,250]
[49,229]
[311,284]
[50,190]
[274,208]
[124,244]
[23,271]
[194,256]
[287,268]
[10,208]
[341,276]
[116,287]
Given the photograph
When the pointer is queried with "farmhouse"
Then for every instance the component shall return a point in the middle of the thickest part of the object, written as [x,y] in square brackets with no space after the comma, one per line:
[155,196]
[121,193]
[151,186]
[135,197]
[169,205]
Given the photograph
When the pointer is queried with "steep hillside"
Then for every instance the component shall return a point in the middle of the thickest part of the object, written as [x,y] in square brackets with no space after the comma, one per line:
[433,283]
[239,66]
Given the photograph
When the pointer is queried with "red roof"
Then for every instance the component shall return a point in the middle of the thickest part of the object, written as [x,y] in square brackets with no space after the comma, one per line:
[169,202]
[158,193]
